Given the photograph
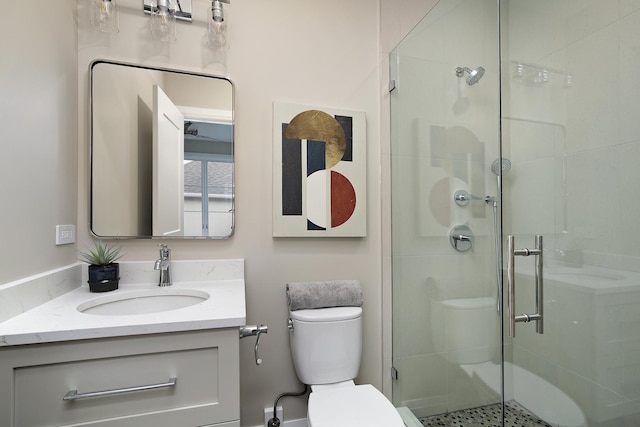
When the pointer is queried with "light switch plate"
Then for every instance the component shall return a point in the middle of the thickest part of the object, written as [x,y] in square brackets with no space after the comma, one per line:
[65,234]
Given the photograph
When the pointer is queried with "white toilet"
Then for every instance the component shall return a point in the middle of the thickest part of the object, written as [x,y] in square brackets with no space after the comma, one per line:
[326,346]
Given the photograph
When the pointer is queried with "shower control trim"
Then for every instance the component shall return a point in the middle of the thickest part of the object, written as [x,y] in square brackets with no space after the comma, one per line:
[461,238]
[461,198]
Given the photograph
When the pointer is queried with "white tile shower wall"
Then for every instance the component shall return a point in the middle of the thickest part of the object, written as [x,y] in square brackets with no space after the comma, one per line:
[597,113]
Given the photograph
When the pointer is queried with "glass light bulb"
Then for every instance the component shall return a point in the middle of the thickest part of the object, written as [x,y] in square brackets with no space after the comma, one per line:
[163,20]
[217,28]
[217,35]
[104,15]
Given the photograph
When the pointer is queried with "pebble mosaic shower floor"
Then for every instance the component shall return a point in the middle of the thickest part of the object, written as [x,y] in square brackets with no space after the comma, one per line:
[486,416]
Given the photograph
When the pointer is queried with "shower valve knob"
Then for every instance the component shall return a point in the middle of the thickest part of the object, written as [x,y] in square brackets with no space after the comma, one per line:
[461,238]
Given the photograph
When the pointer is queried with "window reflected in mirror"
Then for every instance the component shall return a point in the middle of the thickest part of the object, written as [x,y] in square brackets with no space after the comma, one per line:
[208,164]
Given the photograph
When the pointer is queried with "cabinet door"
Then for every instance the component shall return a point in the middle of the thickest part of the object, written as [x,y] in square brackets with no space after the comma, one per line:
[205,390]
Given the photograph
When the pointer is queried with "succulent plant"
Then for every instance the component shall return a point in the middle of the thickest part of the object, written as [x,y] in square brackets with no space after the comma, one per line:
[102,254]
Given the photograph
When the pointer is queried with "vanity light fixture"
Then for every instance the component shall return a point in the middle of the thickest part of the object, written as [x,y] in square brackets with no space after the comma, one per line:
[104,15]
[217,27]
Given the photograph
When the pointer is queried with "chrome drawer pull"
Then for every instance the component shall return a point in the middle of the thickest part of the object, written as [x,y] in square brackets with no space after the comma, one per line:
[74,395]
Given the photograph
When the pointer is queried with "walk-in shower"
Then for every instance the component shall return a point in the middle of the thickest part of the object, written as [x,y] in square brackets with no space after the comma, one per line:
[553,160]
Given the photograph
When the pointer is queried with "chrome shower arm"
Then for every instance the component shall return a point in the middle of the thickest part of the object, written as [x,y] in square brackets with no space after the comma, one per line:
[462,198]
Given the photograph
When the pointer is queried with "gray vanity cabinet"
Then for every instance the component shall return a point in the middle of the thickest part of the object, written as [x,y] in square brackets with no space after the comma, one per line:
[193,380]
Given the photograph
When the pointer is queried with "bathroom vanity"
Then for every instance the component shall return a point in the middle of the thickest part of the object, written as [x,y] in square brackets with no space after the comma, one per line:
[66,364]
[204,365]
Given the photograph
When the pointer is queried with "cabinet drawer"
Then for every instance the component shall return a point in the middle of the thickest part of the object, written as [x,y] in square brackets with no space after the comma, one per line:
[205,391]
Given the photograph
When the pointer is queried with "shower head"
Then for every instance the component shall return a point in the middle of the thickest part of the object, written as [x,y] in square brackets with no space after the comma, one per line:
[501,165]
[474,75]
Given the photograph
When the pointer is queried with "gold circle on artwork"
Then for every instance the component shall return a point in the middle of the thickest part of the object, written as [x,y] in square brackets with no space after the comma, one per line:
[320,126]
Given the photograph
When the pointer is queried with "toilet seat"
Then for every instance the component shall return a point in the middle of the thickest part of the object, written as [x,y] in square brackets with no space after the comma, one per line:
[357,406]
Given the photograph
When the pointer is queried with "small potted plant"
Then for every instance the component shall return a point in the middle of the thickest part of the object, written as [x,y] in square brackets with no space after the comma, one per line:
[104,271]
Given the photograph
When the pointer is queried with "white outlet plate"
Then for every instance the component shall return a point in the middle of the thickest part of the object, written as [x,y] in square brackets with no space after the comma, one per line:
[268,414]
[65,234]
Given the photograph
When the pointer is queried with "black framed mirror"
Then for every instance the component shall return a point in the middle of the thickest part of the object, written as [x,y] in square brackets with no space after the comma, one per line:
[162,153]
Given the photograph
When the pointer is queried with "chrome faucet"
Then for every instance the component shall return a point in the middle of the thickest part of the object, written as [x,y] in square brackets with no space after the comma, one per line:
[163,264]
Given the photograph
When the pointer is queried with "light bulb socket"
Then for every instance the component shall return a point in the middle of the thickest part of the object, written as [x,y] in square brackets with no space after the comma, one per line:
[216,11]
[162,4]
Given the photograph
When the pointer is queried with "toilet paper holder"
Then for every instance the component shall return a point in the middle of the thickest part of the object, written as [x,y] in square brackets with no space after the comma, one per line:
[254,330]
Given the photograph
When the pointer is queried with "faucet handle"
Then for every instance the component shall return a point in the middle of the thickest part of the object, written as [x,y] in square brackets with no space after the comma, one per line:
[165,252]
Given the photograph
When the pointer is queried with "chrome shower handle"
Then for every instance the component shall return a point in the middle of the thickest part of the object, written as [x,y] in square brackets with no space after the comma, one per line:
[539,287]
[511,254]
[511,286]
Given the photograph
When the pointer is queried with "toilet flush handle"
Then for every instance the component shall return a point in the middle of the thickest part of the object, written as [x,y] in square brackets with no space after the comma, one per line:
[254,330]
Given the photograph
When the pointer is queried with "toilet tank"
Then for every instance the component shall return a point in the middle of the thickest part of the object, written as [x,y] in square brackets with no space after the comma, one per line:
[326,344]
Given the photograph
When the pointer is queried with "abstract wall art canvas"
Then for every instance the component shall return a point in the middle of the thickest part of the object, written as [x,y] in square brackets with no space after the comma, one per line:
[319,172]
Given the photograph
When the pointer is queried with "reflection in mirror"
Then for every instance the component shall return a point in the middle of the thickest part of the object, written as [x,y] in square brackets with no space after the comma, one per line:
[161,153]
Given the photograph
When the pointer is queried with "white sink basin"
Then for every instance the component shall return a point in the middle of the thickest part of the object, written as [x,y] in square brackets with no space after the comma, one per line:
[143,301]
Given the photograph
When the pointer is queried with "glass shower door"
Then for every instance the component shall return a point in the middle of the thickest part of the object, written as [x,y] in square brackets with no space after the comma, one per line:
[571,132]
[445,140]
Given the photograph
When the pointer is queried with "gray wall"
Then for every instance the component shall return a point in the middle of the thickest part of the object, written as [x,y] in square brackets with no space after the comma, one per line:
[38,82]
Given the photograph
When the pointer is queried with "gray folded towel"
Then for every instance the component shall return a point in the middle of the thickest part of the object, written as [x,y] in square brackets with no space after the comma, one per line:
[332,293]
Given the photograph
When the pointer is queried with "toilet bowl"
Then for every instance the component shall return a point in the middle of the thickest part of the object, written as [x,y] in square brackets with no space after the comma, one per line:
[352,406]
[326,347]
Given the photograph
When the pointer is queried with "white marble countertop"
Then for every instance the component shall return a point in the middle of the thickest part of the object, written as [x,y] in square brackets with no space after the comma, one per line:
[60,320]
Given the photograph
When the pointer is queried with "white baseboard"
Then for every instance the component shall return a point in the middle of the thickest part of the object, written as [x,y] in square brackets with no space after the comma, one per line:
[302,422]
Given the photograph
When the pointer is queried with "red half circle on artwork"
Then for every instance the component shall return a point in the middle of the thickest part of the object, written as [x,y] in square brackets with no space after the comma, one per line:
[343,199]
